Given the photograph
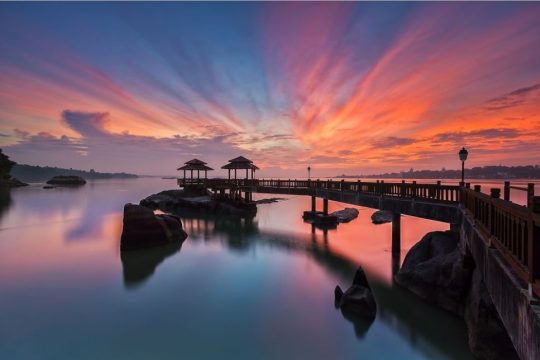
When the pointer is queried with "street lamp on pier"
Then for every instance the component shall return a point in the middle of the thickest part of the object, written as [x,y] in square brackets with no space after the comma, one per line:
[463,156]
[309,172]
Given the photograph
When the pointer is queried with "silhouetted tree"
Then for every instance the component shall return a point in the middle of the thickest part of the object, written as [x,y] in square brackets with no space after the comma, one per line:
[5,165]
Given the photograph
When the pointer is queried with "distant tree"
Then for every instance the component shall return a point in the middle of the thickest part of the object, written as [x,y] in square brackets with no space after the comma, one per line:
[5,165]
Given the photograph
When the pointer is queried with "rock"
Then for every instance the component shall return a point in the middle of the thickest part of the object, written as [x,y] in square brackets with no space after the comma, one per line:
[269,200]
[381,217]
[67,180]
[357,301]
[434,270]
[11,183]
[142,228]
[338,294]
[345,215]
[488,338]
[360,278]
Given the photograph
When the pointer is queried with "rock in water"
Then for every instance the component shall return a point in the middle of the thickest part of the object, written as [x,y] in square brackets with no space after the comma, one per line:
[381,217]
[142,228]
[67,180]
[345,215]
[357,301]
[434,270]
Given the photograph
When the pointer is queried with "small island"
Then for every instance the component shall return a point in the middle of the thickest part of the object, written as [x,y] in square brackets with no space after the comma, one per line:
[69,180]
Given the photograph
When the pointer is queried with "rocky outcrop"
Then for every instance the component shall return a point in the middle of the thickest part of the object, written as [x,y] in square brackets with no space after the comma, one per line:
[67,181]
[488,338]
[357,301]
[198,200]
[345,215]
[381,217]
[143,229]
[269,200]
[434,270]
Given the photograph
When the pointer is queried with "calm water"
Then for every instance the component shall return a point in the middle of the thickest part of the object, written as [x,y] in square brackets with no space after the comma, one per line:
[242,289]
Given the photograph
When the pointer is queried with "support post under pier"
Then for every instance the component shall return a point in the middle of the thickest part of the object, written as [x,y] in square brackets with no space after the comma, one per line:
[396,232]
[313,203]
[325,206]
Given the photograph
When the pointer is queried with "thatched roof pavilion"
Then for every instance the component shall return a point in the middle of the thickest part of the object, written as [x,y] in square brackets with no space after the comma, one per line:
[195,164]
[241,163]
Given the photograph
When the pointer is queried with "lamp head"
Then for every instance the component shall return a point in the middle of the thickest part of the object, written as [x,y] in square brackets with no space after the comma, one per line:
[463,154]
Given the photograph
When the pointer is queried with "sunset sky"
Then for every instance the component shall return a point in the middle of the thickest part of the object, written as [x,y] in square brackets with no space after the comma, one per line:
[344,87]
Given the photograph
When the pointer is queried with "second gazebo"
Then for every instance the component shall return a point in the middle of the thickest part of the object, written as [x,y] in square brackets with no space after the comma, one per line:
[241,163]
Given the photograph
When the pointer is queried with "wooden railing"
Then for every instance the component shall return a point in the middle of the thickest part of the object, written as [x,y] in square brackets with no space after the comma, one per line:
[513,229]
[437,192]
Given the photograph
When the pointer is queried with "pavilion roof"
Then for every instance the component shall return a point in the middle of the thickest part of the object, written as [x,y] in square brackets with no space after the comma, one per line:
[240,162]
[195,167]
[195,162]
[240,159]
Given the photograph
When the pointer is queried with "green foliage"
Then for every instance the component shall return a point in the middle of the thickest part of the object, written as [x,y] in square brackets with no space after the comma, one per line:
[5,165]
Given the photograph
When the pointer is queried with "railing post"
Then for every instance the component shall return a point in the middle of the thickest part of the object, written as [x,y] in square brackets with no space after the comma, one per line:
[342,185]
[530,194]
[495,193]
[359,186]
[414,189]
[381,187]
[403,192]
[506,191]
[438,190]
[533,237]
[477,188]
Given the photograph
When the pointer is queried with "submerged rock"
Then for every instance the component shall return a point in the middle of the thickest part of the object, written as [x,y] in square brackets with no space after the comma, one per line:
[434,270]
[345,215]
[269,200]
[381,217]
[70,180]
[142,228]
[357,301]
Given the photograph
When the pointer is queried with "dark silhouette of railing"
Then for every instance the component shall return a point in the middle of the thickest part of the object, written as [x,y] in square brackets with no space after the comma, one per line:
[513,229]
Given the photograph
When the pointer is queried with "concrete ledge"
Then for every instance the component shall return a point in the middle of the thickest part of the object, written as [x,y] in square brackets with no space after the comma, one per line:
[520,316]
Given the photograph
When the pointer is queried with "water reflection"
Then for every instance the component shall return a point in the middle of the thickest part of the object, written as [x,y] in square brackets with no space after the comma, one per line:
[396,307]
[5,201]
[139,265]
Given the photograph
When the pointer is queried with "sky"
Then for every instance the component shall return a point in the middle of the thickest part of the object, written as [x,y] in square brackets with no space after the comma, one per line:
[354,88]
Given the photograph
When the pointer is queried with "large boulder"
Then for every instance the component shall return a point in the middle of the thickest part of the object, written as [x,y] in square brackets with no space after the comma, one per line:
[345,215]
[142,228]
[357,301]
[70,180]
[435,270]
[381,217]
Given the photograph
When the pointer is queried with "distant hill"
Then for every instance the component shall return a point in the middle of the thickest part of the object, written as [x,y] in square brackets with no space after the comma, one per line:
[29,173]
[481,172]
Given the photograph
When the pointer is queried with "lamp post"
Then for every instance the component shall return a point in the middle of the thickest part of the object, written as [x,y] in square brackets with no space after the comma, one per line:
[463,156]
[309,172]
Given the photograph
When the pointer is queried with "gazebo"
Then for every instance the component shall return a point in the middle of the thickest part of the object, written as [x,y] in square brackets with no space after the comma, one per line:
[195,164]
[241,163]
